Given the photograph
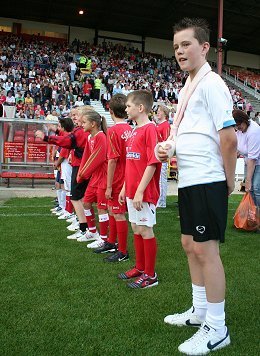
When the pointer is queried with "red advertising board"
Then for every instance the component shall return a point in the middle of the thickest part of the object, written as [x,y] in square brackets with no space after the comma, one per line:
[13,150]
[37,151]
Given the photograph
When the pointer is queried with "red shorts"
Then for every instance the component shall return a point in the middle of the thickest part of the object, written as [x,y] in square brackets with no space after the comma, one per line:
[96,195]
[115,206]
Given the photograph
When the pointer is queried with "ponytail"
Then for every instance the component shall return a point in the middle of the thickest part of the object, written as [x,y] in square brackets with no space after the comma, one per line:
[104,124]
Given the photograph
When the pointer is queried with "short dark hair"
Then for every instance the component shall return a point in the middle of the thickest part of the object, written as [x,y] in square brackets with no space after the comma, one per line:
[143,97]
[118,105]
[200,27]
[240,116]
[66,123]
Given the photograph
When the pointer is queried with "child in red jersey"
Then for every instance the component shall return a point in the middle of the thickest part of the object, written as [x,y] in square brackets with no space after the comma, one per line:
[117,137]
[141,189]
[163,131]
[75,141]
[66,126]
[93,167]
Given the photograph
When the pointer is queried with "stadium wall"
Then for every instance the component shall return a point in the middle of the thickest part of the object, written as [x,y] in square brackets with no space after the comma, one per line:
[153,45]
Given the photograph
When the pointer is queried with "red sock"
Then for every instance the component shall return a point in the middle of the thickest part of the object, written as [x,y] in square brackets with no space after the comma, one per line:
[103,225]
[69,205]
[112,230]
[150,249]
[122,234]
[91,221]
[139,252]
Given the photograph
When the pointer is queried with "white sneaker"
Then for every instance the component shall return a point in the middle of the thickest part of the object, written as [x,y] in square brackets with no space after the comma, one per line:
[83,238]
[72,219]
[187,318]
[96,244]
[91,236]
[59,213]
[70,215]
[74,226]
[55,210]
[206,339]
[76,235]
[64,216]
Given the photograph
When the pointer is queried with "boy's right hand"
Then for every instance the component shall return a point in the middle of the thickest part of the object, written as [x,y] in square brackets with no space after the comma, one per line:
[121,197]
[108,193]
[162,153]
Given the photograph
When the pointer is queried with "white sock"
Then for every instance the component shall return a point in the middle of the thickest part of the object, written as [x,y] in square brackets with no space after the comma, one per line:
[63,199]
[215,316]
[59,196]
[199,300]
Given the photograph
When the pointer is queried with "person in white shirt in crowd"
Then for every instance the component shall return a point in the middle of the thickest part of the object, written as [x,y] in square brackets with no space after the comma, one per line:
[248,138]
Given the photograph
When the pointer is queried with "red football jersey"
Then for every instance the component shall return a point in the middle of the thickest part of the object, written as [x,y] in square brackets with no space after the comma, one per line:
[117,137]
[64,153]
[140,154]
[163,131]
[94,161]
[74,140]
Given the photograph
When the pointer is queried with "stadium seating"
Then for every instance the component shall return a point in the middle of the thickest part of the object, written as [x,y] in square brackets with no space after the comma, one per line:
[26,175]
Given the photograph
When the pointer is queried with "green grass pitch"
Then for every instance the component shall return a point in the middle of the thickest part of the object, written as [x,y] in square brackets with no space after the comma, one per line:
[59,298]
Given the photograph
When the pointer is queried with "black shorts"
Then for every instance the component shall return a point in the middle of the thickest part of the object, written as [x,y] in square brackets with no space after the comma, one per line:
[77,189]
[203,211]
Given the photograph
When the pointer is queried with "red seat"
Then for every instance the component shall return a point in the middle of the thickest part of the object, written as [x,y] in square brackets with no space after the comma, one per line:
[8,174]
[18,138]
[19,133]
[30,133]
[24,175]
[43,175]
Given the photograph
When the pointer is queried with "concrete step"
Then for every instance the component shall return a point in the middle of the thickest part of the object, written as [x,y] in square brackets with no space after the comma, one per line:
[97,105]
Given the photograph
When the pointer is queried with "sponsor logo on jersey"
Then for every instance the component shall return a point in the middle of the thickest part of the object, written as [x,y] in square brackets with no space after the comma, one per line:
[133,155]
[126,135]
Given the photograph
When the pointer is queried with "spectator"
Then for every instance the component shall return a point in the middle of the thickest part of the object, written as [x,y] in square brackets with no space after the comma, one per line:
[248,137]
[73,69]
[10,99]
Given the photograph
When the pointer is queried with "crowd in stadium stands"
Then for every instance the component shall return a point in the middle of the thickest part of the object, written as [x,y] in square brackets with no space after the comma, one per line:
[44,79]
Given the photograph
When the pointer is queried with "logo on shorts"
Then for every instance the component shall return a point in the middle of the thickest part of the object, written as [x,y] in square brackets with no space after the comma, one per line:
[103,204]
[143,219]
[115,207]
[201,229]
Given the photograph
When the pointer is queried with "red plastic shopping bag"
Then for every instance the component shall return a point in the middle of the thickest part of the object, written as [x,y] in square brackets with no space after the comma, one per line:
[246,214]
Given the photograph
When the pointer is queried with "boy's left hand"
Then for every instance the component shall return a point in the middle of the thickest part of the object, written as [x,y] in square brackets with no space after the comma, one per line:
[138,201]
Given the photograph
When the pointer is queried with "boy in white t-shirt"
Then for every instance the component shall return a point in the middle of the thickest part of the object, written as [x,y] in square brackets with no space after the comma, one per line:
[206,152]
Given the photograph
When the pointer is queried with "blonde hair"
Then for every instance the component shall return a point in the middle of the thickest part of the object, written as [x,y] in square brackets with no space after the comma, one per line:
[165,110]
[84,109]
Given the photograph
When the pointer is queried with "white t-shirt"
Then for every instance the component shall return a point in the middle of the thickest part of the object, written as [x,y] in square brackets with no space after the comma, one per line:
[197,145]
[248,143]
[73,66]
